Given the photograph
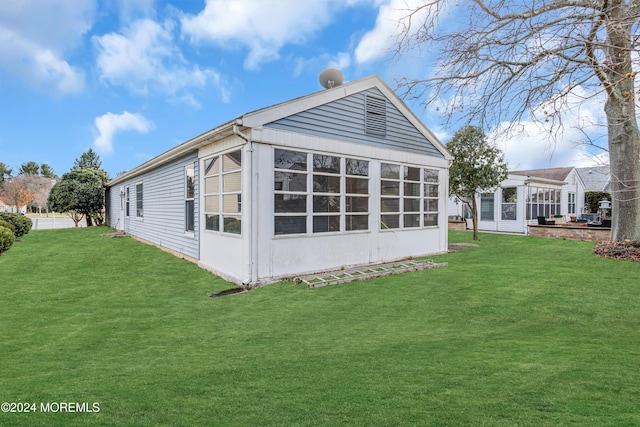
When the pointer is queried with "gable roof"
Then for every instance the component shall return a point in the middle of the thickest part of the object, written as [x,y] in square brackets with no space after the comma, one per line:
[553,174]
[597,178]
[259,118]
[285,109]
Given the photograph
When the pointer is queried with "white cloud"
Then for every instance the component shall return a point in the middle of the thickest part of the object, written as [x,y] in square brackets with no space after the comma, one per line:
[378,43]
[262,26]
[33,40]
[131,10]
[109,124]
[145,59]
[538,146]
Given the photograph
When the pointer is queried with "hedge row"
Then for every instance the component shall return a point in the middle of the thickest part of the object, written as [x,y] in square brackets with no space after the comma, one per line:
[21,223]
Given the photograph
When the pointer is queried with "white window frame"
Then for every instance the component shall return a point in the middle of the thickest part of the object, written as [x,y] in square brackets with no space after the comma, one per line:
[422,205]
[140,200]
[342,220]
[571,203]
[509,207]
[484,197]
[189,211]
[127,210]
[221,194]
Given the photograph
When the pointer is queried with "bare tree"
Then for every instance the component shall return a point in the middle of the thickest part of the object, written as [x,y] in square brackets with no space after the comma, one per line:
[40,186]
[514,58]
[16,192]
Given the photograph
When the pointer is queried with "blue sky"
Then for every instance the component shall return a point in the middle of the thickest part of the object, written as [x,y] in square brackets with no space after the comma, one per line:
[132,79]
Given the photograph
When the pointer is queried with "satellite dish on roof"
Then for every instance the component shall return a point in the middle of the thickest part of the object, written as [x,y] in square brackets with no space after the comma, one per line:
[331,77]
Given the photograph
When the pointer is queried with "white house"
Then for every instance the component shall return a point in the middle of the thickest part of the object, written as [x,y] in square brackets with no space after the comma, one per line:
[342,177]
[556,194]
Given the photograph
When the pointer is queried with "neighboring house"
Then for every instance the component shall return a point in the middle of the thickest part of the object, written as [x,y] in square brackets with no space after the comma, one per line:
[342,177]
[6,207]
[597,178]
[525,195]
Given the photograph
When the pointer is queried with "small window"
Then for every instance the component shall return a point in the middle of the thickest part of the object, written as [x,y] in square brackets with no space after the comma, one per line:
[189,183]
[128,201]
[139,204]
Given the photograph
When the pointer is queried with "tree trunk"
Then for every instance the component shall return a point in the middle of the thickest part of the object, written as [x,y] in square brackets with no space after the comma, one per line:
[474,215]
[624,136]
[624,157]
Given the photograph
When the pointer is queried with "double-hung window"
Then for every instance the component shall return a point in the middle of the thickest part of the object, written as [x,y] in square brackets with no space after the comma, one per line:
[223,193]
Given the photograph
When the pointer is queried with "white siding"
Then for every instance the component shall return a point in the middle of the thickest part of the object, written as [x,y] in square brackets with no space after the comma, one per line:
[290,255]
[224,254]
[344,119]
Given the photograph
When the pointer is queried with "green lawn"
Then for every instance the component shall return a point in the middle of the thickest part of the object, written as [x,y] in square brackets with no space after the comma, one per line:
[521,331]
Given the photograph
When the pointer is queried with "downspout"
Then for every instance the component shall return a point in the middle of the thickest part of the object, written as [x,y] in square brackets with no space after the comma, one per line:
[252,238]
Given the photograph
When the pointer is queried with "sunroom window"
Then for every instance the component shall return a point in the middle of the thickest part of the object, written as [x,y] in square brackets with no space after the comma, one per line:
[223,193]
[319,193]
[408,197]
[509,203]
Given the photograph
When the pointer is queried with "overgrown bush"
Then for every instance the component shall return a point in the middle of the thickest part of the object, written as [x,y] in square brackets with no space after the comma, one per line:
[21,223]
[6,239]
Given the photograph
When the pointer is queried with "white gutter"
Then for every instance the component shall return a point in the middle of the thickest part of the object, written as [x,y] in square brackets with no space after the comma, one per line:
[251,252]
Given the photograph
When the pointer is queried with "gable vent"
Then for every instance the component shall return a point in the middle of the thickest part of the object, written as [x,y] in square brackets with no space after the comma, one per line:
[375,119]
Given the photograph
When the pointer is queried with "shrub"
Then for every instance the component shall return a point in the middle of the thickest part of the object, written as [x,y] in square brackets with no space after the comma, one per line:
[7,224]
[6,239]
[21,223]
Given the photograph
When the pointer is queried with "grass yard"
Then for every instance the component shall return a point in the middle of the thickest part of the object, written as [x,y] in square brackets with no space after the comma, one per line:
[521,331]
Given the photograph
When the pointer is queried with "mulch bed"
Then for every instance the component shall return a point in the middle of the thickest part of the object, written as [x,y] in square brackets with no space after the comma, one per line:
[626,249]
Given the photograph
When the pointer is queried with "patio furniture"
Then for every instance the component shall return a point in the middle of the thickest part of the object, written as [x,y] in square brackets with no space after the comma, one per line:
[544,221]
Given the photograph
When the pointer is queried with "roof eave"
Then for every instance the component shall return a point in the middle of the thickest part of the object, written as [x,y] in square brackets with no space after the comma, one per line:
[201,140]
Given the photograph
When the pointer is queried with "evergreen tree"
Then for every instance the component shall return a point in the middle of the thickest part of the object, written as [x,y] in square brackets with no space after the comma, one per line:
[47,171]
[29,168]
[5,172]
[88,160]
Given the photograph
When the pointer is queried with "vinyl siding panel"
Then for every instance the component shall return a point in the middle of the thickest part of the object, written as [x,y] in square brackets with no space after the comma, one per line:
[114,206]
[163,221]
[344,119]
